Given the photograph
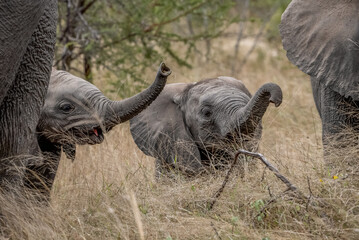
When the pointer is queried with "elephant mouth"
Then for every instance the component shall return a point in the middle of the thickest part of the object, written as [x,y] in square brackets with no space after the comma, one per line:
[229,143]
[88,135]
[96,135]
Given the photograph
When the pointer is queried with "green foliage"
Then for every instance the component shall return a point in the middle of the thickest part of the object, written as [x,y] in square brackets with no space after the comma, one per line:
[267,12]
[143,209]
[258,206]
[273,29]
[128,37]
[234,220]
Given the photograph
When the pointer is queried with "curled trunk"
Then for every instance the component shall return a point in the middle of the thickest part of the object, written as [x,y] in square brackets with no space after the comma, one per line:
[251,115]
[121,111]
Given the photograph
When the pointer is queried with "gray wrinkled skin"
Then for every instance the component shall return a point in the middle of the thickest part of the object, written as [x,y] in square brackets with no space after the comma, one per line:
[321,38]
[76,112]
[27,37]
[194,125]
[72,111]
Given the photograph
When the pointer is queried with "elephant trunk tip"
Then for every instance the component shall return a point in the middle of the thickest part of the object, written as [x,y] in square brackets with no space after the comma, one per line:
[276,102]
[275,92]
[121,111]
[164,70]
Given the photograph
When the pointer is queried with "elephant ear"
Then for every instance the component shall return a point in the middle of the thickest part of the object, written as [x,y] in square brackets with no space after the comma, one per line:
[322,39]
[160,131]
[69,150]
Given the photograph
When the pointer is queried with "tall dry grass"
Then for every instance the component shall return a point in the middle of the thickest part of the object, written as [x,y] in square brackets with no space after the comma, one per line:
[109,191]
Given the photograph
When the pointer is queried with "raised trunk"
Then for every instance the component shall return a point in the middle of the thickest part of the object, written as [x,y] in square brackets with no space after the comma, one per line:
[251,115]
[121,111]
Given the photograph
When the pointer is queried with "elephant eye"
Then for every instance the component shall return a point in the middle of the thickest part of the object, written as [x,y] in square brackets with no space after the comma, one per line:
[207,112]
[66,107]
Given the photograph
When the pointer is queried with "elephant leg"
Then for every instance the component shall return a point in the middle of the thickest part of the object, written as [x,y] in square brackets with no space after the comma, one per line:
[21,107]
[41,176]
[186,157]
[177,156]
[175,164]
[339,123]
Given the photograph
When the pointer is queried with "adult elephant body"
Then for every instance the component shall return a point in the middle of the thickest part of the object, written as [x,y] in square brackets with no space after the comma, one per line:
[322,38]
[27,39]
[76,112]
[193,125]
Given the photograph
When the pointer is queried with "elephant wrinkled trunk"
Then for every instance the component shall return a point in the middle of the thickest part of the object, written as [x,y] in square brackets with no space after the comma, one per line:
[121,111]
[251,115]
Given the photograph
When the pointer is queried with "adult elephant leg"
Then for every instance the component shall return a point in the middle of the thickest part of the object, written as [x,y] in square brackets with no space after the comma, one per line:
[339,124]
[16,28]
[21,107]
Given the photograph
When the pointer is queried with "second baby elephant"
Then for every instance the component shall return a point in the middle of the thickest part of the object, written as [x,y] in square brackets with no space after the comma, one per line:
[193,125]
[77,112]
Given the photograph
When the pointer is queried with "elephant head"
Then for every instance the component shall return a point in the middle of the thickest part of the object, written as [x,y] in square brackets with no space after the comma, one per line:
[322,39]
[76,111]
[190,124]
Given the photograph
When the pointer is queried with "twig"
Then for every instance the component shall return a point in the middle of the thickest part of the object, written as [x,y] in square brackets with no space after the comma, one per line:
[270,192]
[310,194]
[220,190]
[270,167]
[291,187]
[215,230]
[151,27]
[94,33]
[85,8]
[68,16]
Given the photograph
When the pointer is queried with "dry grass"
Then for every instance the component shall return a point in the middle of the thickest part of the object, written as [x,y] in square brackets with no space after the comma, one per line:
[109,192]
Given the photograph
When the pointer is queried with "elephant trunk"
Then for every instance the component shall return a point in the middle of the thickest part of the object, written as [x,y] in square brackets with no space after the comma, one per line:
[252,113]
[121,111]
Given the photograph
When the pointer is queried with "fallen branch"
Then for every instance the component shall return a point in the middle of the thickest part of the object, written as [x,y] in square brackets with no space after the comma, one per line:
[220,190]
[270,167]
[290,186]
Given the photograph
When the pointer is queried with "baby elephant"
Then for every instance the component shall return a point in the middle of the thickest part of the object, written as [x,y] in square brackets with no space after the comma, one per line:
[76,112]
[193,125]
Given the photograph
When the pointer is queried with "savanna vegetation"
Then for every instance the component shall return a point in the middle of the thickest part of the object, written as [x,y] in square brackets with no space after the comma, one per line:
[110,192]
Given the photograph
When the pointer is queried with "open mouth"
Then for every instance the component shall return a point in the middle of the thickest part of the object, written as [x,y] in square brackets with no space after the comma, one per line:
[88,135]
[96,135]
